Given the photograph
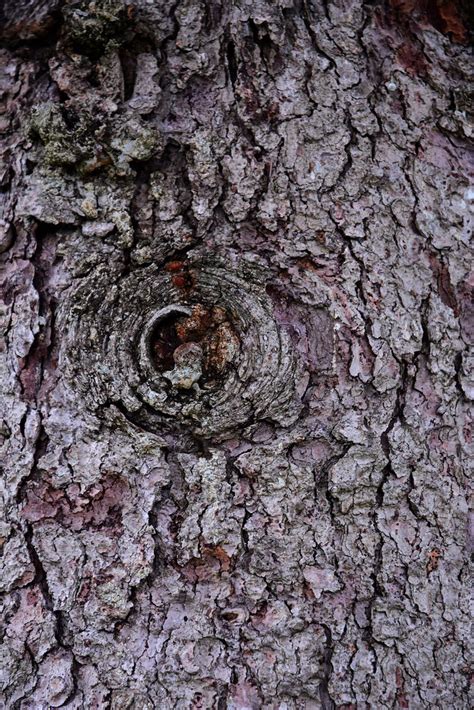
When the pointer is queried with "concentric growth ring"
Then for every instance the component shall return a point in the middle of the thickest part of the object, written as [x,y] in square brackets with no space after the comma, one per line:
[192,346]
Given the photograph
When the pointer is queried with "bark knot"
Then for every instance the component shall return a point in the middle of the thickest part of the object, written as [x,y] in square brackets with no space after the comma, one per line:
[213,358]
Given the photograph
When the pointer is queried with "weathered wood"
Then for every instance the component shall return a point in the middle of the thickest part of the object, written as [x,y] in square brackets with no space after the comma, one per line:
[235,365]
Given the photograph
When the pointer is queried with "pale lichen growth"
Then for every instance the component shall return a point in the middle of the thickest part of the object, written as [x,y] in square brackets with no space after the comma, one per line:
[188,366]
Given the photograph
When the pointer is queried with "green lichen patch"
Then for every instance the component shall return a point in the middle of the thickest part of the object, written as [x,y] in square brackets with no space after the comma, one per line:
[47,123]
[90,144]
[91,27]
[78,141]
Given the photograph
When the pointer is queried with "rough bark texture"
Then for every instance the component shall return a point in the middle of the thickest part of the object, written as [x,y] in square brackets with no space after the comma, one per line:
[235,354]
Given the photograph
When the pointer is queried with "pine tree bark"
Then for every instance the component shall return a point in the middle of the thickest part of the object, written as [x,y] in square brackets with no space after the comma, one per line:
[235,364]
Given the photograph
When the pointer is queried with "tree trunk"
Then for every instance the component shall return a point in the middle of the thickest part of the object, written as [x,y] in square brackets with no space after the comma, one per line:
[235,354]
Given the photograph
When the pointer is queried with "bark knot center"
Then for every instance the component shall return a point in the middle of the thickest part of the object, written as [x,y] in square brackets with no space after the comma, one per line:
[192,346]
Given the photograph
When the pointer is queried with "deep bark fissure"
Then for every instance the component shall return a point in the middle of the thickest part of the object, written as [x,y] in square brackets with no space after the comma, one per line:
[262,503]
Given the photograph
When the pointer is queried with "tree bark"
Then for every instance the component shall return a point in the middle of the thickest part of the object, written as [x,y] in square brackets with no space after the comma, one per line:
[235,365]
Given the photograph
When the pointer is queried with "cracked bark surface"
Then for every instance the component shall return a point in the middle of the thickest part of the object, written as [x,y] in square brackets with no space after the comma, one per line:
[236,354]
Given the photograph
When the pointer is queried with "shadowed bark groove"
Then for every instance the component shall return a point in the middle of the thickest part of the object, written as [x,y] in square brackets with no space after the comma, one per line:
[235,354]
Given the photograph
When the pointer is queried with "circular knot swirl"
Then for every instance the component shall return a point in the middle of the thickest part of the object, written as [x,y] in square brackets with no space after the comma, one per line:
[193,345]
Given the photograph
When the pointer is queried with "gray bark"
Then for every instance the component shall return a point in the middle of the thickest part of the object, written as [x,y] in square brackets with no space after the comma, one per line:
[235,364]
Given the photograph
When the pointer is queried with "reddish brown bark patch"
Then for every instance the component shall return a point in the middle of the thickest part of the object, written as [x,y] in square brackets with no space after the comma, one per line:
[100,506]
[411,59]
[210,327]
[445,288]
[450,17]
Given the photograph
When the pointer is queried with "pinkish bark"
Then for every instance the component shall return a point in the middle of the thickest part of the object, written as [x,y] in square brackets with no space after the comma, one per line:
[269,202]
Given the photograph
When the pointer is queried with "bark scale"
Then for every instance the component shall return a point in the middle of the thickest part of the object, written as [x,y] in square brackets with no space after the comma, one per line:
[235,364]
